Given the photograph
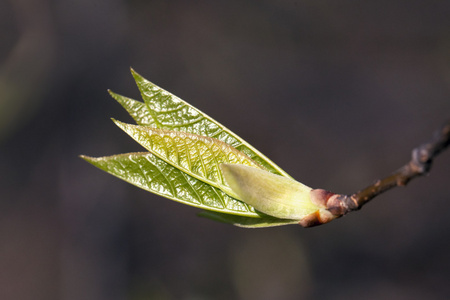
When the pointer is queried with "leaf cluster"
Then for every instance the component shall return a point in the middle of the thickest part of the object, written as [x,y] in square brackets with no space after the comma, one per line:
[185,150]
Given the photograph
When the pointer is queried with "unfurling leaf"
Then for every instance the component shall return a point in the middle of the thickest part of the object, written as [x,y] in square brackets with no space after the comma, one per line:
[271,194]
[197,161]
[164,110]
[240,221]
[197,156]
[151,173]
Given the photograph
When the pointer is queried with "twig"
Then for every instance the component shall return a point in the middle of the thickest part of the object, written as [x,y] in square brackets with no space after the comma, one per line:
[420,164]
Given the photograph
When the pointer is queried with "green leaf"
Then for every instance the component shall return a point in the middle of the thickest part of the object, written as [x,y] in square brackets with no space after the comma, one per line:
[151,173]
[197,156]
[187,150]
[137,110]
[263,221]
[269,193]
[172,113]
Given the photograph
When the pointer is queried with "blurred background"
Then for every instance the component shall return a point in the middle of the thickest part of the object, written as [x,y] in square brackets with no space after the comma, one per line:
[336,93]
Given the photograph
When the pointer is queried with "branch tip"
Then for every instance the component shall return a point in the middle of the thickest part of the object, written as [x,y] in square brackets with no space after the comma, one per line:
[420,164]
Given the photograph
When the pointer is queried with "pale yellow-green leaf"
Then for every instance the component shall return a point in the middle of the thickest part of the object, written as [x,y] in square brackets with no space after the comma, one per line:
[170,112]
[198,156]
[240,221]
[138,110]
[271,194]
[187,152]
[151,173]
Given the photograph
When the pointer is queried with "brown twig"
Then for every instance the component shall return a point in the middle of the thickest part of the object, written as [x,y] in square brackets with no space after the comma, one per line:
[420,164]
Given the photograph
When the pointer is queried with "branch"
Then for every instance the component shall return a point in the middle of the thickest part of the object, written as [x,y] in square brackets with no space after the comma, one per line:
[420,164]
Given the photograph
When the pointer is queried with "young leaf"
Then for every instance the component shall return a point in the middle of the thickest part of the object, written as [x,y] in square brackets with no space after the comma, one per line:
[151,173]
[240,221]
[271,194]
[187,149]
[197,156]
[170,112]
[137,110]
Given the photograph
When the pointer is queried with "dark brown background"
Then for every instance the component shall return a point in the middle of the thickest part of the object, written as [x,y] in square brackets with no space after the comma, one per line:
[336,92]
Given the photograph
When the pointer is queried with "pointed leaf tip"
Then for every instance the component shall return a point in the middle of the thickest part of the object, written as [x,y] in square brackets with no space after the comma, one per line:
[118,123]
[135,74]
[83,157]
[137,109]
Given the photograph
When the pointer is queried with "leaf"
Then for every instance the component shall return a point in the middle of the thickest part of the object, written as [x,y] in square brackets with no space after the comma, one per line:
[263,221]
[151,173]
[172,113]
[137,110]
[187,149]
[269,193]
[198,156]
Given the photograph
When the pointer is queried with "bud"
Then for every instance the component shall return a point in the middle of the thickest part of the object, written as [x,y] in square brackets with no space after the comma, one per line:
[268,193]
